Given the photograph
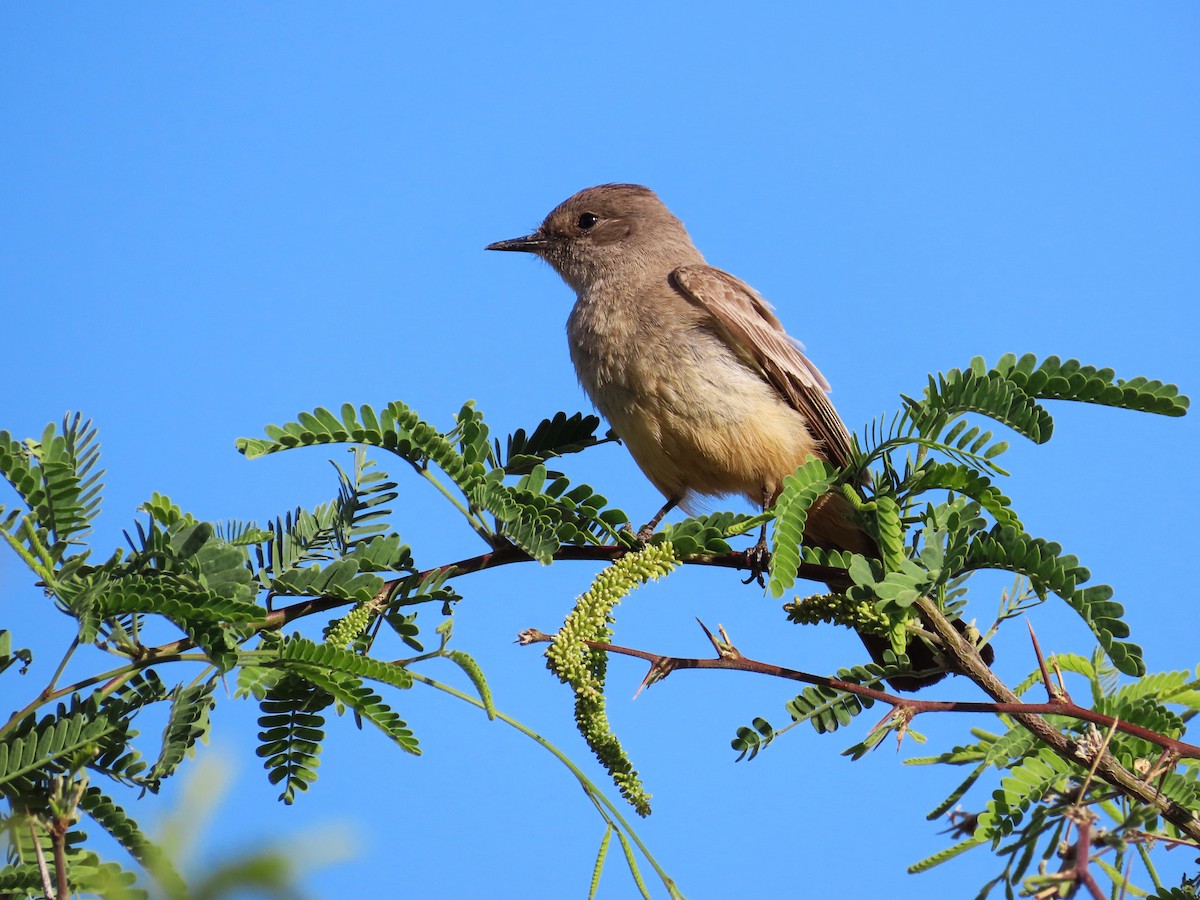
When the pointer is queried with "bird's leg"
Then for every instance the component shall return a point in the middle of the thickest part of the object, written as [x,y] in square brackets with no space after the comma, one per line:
[647,531]
[759,557]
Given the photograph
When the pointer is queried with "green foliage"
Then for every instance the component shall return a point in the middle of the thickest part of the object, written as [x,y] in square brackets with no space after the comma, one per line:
[187,722]
[56,477]
[801,490]
[292,731]
[706,535]
[208,581]
[203,600]
[936,520]
[826,708]
[537,513]
[1025,818]
[553,437]
[113,819]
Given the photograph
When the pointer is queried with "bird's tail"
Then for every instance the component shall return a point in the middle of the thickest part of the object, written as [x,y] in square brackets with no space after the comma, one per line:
[830,526]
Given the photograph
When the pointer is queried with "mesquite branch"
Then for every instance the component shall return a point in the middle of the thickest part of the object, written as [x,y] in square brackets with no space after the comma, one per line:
[661,665]
[966,660]
[964,656]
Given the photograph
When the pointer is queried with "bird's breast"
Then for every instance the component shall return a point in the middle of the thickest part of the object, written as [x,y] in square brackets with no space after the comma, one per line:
[693,415]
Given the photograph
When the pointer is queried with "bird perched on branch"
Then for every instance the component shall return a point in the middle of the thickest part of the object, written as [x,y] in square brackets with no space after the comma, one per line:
[690,366]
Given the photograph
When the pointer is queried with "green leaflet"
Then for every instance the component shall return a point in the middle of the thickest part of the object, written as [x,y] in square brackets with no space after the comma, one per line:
[987,393]
[340,578]
[293,729]
[801,490]
[86,873]
[1048,569]
[942,856]
[552,437]
[216,624]
[952,799]
[57,480]
[348,690]
[1054,379]
[968,482]
[348,525]
[826,708]
[297,649]
[708,534]
[187,723]
[1028,781]
[113,819]
[749,741]
[315,676]
[56,742]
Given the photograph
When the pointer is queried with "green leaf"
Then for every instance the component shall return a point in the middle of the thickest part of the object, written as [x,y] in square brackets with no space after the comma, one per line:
[113,819]
[216,624]
[1054,379]
[56,478]
[1028,781]
[340,579]
[1048,569]
[942,856]
[187,723]
[297,649]
[704,535]
[72,734]
[292,731]
[348,690]
[966,481]
[956,392]
[800,491]
[468,664]
[552,437]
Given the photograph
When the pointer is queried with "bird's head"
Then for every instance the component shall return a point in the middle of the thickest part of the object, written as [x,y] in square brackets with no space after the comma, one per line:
[609,231]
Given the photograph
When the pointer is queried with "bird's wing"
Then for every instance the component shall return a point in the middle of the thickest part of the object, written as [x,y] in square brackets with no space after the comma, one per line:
[744,320]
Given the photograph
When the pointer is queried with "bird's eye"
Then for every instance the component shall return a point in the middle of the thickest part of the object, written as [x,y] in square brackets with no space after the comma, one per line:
[587,220]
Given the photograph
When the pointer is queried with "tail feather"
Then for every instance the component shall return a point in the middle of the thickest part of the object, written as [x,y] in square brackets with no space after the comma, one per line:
[830,526]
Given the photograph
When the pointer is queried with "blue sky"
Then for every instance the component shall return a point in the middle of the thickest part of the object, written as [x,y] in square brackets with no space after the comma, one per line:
[213,217]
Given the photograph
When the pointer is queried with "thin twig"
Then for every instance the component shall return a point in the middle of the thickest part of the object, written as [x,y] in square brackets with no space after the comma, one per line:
[58,835]
[733,659]
[967,661]
[43,869]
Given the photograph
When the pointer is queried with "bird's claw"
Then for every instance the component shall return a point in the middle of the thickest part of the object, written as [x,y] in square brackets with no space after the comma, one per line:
[643,536]
[758,560]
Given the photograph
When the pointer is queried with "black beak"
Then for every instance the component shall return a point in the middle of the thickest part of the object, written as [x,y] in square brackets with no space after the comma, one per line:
[531,243]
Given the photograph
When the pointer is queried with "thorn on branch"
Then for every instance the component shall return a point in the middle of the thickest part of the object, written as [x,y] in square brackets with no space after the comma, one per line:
[659,669]
[532,636]
[1053,694]
[723,645]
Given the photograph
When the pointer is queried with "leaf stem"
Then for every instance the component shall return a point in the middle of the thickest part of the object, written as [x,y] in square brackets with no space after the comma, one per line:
[586,783]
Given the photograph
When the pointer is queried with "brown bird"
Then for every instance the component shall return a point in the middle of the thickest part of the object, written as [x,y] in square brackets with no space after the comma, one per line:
[690,365]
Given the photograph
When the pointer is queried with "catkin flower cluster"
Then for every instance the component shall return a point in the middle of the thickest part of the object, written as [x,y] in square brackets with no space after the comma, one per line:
[860,615]
[584,668]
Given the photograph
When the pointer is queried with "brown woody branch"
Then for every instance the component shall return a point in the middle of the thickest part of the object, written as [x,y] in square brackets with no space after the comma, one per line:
[965,658]
[967,661]
[663,665]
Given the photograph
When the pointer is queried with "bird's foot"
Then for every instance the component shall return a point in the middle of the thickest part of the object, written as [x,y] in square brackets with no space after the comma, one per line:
[758,559]
[642,535]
